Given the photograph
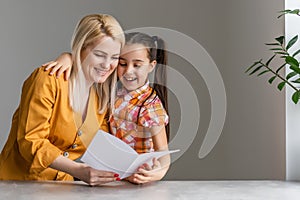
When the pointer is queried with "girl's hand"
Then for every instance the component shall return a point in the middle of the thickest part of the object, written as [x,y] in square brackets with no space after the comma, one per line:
[146,173]
[63,64]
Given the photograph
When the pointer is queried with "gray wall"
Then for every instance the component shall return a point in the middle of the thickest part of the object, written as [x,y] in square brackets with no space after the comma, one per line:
[252,144]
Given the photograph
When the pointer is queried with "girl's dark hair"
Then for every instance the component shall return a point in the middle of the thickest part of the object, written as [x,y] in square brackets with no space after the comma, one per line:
[156,51]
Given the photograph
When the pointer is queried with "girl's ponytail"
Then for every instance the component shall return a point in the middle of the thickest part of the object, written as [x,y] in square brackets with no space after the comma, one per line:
[160,75]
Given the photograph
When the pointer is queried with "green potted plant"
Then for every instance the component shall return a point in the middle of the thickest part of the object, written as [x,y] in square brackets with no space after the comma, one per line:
[281,50]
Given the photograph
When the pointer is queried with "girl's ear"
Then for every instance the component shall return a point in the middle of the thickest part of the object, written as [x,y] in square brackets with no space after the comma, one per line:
[152,65]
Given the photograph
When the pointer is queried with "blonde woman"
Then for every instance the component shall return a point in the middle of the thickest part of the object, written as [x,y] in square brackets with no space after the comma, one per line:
[57,119]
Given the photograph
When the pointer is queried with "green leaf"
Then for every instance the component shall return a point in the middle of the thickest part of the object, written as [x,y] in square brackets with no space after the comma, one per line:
[276,49]
[263,72]
[296,53]
[296,11]
[295,69]
[280,39]
[272,44]
[268,62]
[272,79]
[282,53]
[295,97]
[280,85]
[292,42]
[290,75]
[285,11]
[292,61]
[296,81]
[281,15]
[256,69]
[254,64]
[280,68]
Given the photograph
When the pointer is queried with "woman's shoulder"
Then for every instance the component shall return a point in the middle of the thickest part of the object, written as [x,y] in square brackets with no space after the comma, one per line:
[40,72]
[42,75]
[41,78]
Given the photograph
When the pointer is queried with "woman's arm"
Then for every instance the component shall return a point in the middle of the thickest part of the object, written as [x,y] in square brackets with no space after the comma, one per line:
[62,64]
[84,172]
[35,111]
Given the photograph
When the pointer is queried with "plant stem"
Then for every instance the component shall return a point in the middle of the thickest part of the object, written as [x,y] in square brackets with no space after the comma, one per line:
[278,75]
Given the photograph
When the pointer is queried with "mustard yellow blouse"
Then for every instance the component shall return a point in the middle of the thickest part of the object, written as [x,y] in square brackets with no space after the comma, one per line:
[44,127]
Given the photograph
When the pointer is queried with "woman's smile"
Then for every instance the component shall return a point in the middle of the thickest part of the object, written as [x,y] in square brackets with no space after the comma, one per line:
[100,71]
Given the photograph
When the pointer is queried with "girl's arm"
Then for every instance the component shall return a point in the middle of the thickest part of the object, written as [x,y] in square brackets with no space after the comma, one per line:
[62,64]
[157,171]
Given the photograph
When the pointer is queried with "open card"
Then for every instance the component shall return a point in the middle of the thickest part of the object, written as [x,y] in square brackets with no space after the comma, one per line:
[109,153]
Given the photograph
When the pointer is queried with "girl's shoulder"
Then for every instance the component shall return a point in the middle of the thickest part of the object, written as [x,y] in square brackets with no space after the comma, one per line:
[153,113]
[151,99]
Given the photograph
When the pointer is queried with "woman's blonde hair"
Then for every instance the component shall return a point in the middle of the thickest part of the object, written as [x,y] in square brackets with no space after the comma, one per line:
[91,28]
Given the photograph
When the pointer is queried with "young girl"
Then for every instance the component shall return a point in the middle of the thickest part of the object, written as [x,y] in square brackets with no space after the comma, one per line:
[139,116]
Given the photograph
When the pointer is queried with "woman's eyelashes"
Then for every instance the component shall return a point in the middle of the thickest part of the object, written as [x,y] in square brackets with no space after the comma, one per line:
[100,55]
[105,56]
[115,58]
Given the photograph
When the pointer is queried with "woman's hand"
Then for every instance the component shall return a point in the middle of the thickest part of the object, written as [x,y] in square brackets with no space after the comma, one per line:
[146,173]
[95,177]
[83,172]
[63,64]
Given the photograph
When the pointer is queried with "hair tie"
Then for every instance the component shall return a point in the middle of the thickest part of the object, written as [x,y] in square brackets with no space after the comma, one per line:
[155,39]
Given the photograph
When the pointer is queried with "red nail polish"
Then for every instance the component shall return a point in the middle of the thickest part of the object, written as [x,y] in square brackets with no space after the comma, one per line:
[116,175]
[118,179]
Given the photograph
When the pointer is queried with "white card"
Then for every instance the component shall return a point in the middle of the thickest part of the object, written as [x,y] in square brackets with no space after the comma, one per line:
[109,153]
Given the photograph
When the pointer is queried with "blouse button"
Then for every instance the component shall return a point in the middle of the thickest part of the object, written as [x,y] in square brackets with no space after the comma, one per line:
[66,154]
[74,146]
[79,133]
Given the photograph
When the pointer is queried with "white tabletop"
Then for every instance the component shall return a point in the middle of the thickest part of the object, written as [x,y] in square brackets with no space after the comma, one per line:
[208,190]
